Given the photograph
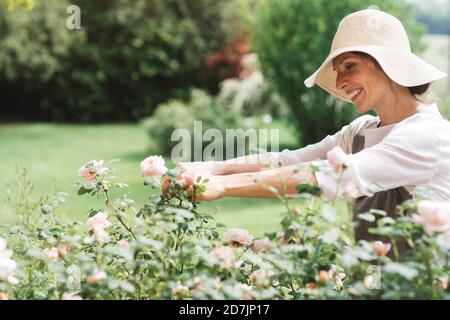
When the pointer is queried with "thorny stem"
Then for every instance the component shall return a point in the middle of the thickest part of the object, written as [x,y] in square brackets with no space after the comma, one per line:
[109,204]
[337,186]
[395,249]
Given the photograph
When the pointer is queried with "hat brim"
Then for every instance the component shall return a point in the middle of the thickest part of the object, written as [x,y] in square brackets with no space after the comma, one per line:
[402,67]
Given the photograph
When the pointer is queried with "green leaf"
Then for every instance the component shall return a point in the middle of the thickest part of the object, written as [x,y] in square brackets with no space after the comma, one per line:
[401,269]
[82,191]
[386,220]
[378,212]
[92,213]
[310,189]
[367,217]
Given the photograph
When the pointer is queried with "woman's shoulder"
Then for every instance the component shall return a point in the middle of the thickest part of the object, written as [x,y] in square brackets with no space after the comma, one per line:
[426,128]
[364,121]
[427,120]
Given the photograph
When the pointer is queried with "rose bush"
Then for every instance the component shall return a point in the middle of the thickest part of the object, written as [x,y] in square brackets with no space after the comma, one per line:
[169,249]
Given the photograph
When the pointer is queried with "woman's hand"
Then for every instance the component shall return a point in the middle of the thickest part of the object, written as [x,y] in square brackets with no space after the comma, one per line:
[214,187]
[201,168]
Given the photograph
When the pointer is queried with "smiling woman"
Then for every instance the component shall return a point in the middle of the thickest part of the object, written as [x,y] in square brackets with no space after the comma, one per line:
[357,68]
[384,157]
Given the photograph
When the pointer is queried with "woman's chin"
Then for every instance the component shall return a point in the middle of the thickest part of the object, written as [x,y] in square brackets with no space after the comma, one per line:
[361,107]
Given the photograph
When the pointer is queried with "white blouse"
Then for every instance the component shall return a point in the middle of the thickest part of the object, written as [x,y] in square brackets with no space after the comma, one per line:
[414,152]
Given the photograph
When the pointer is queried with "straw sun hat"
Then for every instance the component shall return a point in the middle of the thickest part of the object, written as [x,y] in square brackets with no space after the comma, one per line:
[383,37]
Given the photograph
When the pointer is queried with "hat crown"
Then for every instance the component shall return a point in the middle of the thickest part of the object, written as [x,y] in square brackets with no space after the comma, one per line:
[371,27]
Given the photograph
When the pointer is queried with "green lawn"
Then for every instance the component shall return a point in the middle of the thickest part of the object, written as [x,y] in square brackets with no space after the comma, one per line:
[54,153]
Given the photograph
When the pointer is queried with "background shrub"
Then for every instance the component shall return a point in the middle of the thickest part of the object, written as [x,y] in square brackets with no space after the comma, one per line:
[128,57]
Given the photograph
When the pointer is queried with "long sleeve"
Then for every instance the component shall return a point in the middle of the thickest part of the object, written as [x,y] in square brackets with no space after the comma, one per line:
[342,138]
[407,156]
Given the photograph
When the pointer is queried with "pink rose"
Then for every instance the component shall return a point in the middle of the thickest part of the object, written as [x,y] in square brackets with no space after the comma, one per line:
[433,215]
[86,174]
[337,158]
[52,253]
[96,276]
[261,278]
[380,248]
[124,244]
[98,234]
[91,169]
[262,245]
[225,254]
[239,237]
[324,276]
[100,220]
[188,177]
[153,166]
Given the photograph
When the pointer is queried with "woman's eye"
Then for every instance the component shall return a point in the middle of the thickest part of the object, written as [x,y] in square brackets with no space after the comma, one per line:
[349,67]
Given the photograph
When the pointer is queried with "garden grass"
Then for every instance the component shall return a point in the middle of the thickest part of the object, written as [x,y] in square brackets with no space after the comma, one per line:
[53,153]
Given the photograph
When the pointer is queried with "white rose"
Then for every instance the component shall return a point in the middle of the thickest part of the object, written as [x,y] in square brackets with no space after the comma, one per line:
[153,166]
[100,220]
[433,215]
[239,237]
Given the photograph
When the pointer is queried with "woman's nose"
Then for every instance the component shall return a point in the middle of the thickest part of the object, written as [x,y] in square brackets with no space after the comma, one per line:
[341,82]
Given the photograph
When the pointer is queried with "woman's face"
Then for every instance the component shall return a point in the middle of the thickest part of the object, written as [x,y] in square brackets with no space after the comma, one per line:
[361,80]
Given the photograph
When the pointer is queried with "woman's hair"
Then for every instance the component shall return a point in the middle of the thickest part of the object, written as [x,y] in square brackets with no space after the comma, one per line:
[416,90]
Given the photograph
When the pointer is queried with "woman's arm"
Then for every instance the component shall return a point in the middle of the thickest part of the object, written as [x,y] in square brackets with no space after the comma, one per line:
[258,162]
[250,163]
[254,185]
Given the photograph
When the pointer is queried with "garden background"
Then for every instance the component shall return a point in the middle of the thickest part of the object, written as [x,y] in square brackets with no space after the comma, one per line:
[136,70]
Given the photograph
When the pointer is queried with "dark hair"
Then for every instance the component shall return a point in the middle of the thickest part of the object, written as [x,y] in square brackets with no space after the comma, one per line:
[421,89]
[416,90]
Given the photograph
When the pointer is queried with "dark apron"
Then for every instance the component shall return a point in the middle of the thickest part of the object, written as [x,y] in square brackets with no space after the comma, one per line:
[386,200]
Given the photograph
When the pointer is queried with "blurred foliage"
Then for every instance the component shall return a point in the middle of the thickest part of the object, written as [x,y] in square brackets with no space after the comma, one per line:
[293,37]
[32,46]
[250,94]
[226,64]
[17,4]
[435,14]
[177,114]
[246,101]
[129,56]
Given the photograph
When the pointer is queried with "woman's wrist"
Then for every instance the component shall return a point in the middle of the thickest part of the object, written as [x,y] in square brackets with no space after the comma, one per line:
[218,168]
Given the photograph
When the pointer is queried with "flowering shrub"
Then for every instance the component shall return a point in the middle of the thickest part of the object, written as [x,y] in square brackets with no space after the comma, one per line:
[169,249]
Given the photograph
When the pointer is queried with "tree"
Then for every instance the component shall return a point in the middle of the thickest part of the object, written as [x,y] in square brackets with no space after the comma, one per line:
[128,57]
